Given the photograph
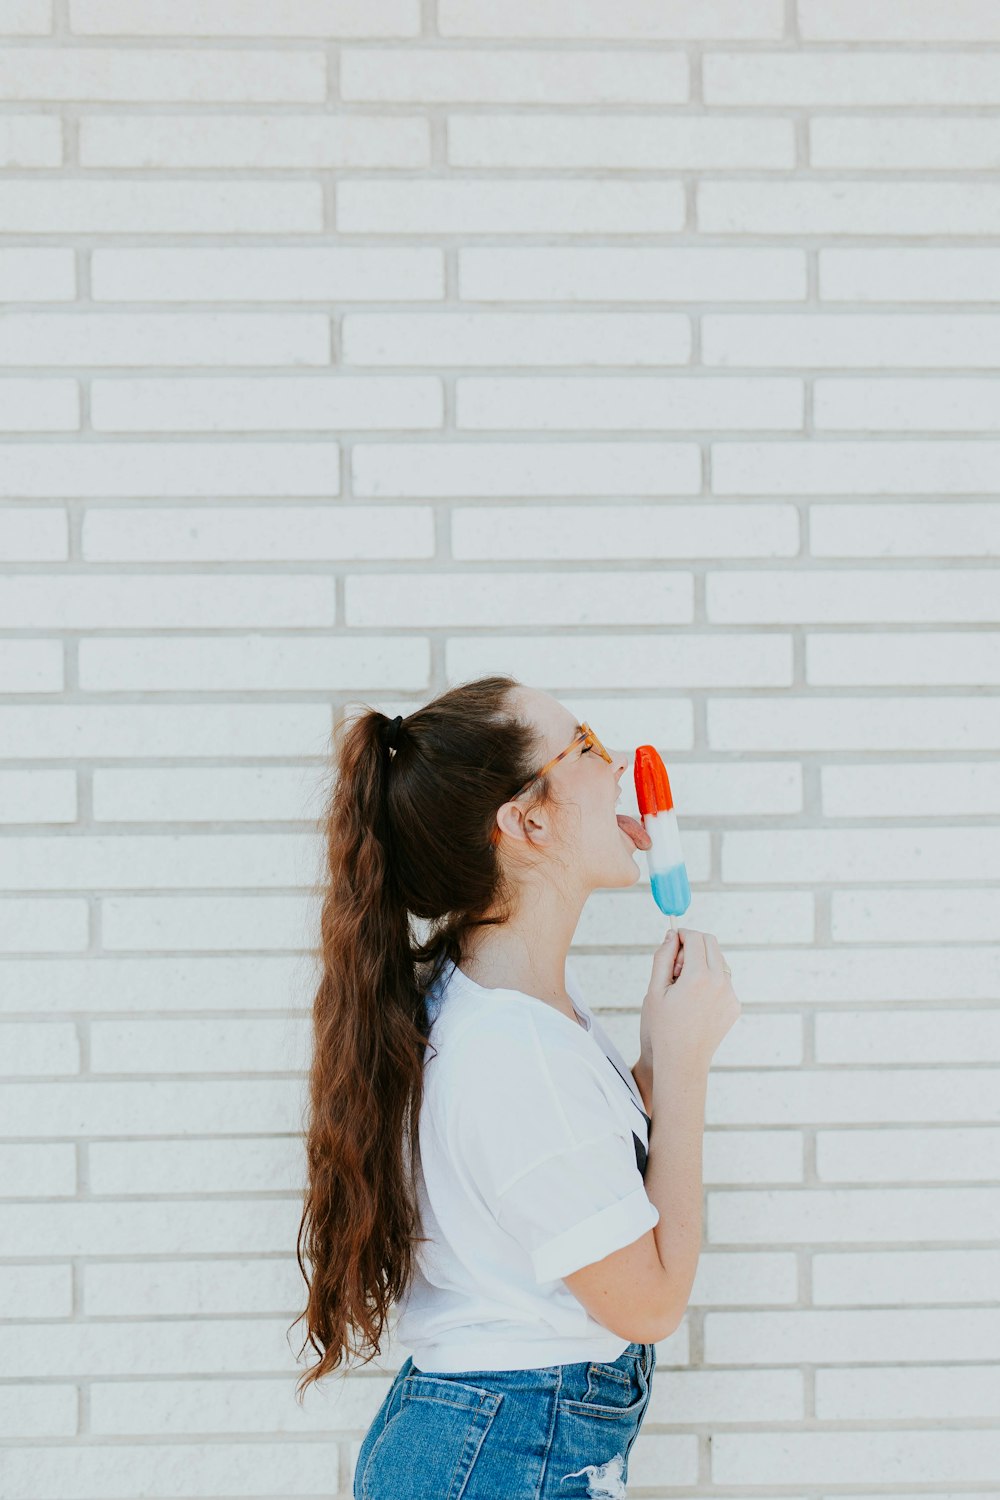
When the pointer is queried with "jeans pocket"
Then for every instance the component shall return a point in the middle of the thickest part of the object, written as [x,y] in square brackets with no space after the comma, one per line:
[429,1446]
[613,1391]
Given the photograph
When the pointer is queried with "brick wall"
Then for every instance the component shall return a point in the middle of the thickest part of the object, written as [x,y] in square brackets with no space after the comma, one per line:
[647,351]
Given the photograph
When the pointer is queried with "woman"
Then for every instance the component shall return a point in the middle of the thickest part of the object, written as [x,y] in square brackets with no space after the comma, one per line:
[554,1193]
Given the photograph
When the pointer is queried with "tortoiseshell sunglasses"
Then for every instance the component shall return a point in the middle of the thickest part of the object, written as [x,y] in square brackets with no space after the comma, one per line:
[585,736]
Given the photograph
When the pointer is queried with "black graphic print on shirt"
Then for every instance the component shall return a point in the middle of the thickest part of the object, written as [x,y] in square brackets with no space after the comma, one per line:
[640,1150]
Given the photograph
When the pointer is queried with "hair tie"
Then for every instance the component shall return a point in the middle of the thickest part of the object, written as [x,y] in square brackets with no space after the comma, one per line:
[392,733]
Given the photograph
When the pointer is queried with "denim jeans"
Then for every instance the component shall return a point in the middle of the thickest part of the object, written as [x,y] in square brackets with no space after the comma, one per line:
[562,1432]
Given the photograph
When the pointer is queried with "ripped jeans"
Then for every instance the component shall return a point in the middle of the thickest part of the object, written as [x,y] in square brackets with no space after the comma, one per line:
[562,1432]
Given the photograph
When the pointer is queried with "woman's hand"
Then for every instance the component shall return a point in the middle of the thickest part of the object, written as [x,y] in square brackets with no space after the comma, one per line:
[690,1005]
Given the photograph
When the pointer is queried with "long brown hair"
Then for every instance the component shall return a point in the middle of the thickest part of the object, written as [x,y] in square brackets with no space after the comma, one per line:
[407,835]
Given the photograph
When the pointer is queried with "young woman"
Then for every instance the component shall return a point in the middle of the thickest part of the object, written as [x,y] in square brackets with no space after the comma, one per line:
[479,1153]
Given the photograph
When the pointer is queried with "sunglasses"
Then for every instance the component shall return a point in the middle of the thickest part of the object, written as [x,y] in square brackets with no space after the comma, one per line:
[585,737]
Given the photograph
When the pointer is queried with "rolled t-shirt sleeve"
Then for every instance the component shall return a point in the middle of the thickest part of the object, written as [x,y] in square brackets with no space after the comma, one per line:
[549,1152]
[577,1206]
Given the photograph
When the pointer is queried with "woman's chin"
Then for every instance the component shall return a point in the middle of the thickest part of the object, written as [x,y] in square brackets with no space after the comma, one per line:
[630,873]
[623,870]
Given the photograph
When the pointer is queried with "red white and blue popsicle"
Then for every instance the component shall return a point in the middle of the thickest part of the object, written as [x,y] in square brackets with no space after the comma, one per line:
[667,871]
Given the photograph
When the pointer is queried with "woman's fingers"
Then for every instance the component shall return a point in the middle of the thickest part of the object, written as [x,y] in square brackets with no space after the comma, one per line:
[694,945]
[713,953]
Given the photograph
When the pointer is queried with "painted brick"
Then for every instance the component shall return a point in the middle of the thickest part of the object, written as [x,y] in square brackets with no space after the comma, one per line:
[614,273]
[159,861]
[493,76]
[952,914]
[922,21]
[907,789]
[958,529]
[259,141]
[851,78]
[902,1277]
[37,797]
[861,1457]
[470,468]
[294,18]
[70,731]
[945,273]
[295,404]
[868,340]
[200,794]
[846,206]
[829,467]
[914,144]
[31,667]
[918,659]
[43,926]
[903,723]
[847,596]
[39,405]
[428,599]
[924,1394]
[474,206]
[163,339]
[38,274]
[756,20]
[251,663]
[847,855]
[121,1470]
[248,1406]
[188,75]
[26,17]
[904,405]
[471,338]
[260,274]
[256,533]
[30,140]
[560,403]
[152,984]
[95,206]
[99,469]
[611,531]
[601,141]
[39,1048]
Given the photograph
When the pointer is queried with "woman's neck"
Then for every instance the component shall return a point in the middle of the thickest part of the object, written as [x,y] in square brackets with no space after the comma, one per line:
[498,966]
[528,952]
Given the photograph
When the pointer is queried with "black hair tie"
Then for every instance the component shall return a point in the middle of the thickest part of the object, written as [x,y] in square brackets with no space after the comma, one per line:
[392,733]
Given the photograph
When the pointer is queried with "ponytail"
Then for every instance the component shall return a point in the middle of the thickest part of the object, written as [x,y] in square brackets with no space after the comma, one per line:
[407,838]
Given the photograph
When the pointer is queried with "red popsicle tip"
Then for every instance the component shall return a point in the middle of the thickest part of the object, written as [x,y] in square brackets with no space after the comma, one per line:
[652,785]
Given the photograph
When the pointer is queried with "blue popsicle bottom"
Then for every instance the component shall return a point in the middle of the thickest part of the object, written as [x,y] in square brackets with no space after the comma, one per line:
[671,891]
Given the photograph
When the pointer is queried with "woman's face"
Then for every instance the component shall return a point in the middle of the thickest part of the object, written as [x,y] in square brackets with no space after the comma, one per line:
[584,833]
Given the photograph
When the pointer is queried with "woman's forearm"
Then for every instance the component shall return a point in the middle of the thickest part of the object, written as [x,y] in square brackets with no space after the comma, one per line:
[643,1075]
[673,1177]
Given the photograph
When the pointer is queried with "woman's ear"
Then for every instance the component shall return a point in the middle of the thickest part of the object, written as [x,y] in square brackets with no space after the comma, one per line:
[508,822]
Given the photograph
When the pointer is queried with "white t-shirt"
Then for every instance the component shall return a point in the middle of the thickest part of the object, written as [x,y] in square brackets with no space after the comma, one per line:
[528,1170]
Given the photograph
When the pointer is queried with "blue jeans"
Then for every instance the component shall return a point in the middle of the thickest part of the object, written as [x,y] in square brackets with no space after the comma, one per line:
[562,1432]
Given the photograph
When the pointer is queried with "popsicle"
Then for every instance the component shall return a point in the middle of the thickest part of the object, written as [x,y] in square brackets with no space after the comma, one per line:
[667,871]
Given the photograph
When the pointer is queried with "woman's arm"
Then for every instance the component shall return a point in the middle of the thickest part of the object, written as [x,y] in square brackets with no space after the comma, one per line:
[673,1177]
[641,1291]
[643,1075]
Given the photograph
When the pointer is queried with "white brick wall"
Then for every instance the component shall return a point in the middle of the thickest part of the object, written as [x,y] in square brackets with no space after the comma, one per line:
[646,349]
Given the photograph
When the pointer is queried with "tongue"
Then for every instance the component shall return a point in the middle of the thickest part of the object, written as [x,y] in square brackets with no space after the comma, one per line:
[635,831]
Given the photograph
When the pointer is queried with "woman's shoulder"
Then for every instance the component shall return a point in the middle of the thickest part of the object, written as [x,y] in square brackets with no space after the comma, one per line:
[513,1048]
